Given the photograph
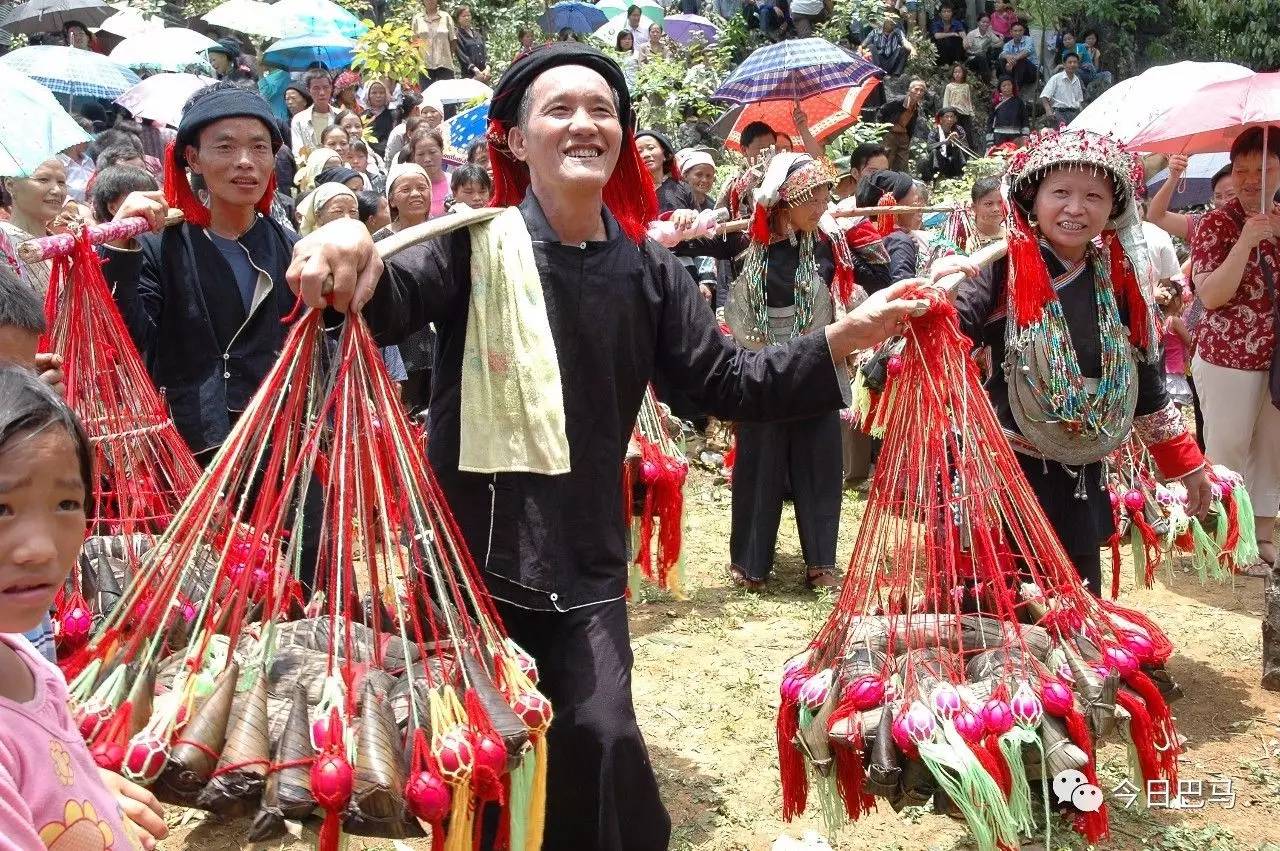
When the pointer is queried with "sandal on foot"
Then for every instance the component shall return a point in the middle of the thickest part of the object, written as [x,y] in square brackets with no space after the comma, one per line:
[1260,569]
[821,578]
[741,580]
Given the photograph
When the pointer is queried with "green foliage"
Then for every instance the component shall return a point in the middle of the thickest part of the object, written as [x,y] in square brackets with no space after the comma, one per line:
[958,189]
[865,132]
[388,51]
[666,85]
[1237,31]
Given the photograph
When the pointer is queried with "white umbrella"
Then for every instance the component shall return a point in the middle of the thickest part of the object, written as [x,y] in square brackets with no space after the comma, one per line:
[458,91]
[161,98]
[609,32]
[250,17]
[1195,188]
[176,49]
[651,10]
[1129,106]
[128,23]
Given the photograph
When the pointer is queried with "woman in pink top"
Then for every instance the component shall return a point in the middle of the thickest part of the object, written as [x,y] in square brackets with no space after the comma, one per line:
[427,150]
[52,794]
[1003,18]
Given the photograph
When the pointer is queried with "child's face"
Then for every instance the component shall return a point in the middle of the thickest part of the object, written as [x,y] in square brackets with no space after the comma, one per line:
[472,194]
[42,523]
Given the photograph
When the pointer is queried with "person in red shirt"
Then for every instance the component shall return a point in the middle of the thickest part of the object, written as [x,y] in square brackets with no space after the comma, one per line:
[1236,263]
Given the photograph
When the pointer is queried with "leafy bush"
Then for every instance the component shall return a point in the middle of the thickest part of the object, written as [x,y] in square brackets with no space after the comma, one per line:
[389,51]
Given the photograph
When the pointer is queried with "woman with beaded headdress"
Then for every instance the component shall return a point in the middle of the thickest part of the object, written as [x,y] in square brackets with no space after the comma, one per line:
[1069,315]
[800,273]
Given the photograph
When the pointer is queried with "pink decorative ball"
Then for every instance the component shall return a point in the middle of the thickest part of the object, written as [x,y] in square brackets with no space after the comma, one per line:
[815,690]
[331,781]
[1120,659]
[108,755]
[894,365]
[997,716]
[1217,491]
[74,626]
[1057,697]
[428,797]
[946,700]
[454,753]
[1139,645]
[534,710]
[795,664]
[143,759]
[865,692]
[1115,499]
[648,472]
[1134,500]
[1026,707]
[900,735]
[791,685]
[920,723]
[490,754]
[969,725]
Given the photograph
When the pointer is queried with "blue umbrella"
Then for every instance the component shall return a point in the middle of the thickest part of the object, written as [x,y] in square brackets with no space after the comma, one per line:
[312,17]
[33,125]
[67,71]
[794,70]
[582,18]
[465,128]
[300,52]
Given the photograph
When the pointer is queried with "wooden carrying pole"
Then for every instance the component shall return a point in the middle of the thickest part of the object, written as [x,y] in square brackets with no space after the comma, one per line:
[738,225]
[60,245]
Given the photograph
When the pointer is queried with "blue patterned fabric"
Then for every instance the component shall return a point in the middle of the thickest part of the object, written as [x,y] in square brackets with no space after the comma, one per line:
[67,71]
[794,70]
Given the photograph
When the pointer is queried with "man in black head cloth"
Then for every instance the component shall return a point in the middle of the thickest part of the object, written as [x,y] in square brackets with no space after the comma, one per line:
[540,502]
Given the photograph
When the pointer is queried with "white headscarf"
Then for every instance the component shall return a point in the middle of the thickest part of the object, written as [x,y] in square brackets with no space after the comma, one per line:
[311,206]
[399,170]
[305,180]
[692,157]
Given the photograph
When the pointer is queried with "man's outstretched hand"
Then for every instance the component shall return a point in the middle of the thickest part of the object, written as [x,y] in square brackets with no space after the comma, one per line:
[877,319]
[335,266]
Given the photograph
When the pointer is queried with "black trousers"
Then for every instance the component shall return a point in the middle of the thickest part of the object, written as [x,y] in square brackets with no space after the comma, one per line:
[602,794]
[809,453]
[1083,525]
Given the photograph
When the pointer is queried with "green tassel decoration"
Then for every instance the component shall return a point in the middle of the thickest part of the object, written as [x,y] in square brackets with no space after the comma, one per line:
[829,802]
[1020,793]
[944,764]
[980,788]
[1204,553]
[861,398]
[1138,549]
[1247,549]
[521,795]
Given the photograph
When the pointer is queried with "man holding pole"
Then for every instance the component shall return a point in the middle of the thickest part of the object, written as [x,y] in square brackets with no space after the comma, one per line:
[536,486]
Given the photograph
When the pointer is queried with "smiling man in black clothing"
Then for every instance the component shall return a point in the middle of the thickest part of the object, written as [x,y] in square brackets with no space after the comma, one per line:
[543,515]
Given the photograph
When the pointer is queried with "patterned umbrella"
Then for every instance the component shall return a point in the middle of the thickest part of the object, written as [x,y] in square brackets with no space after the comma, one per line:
[794,70]
[683,29]
[42,16]
[128,23]
[67,71]
[829,114]
[298,53]
[461,90]
[33,125]
[582,18]
[1195,189]
[465,128]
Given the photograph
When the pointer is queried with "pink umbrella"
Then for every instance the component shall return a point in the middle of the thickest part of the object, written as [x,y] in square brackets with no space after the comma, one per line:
[1211,118]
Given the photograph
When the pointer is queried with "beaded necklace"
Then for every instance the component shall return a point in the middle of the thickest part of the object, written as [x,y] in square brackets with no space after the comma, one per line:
[1044,352]
[756,270]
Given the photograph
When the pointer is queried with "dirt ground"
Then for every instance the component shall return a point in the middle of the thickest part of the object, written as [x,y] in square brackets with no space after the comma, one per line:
[706,691]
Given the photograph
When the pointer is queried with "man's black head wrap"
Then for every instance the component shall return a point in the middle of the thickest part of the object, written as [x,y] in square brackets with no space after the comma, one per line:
[873,187]
[219,101]
[336,175]
[520,75]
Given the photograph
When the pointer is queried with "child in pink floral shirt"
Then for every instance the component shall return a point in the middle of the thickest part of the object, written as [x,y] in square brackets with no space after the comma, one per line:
[52,794]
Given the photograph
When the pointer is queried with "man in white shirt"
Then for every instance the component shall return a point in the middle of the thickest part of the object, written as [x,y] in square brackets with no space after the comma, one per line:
[1164,257]
[639,30]
[309,125]
[983,46]
[1063,95]
[806,14]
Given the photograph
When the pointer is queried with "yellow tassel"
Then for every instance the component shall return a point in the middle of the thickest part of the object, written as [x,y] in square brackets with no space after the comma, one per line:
[461,819]
[537,797]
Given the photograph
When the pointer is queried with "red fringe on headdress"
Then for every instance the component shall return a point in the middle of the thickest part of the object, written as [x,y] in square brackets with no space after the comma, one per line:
[760,231]
[1028,274]
[177,191]
[1125,283]
[629,193]
[886,224]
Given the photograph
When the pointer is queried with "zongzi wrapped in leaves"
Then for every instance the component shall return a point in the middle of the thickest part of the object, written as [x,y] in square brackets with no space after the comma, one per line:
[195,751]
[237,781]
[514,733]
[377,806]
[288,790]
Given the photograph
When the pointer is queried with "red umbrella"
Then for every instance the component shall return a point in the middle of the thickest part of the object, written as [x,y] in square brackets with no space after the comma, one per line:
[829,114]
[1211,118]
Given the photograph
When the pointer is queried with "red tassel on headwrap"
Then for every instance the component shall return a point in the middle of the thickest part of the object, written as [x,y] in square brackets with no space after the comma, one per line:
[1028,274]
[177,189]
[1129,293]
[629,192]
[886,224]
